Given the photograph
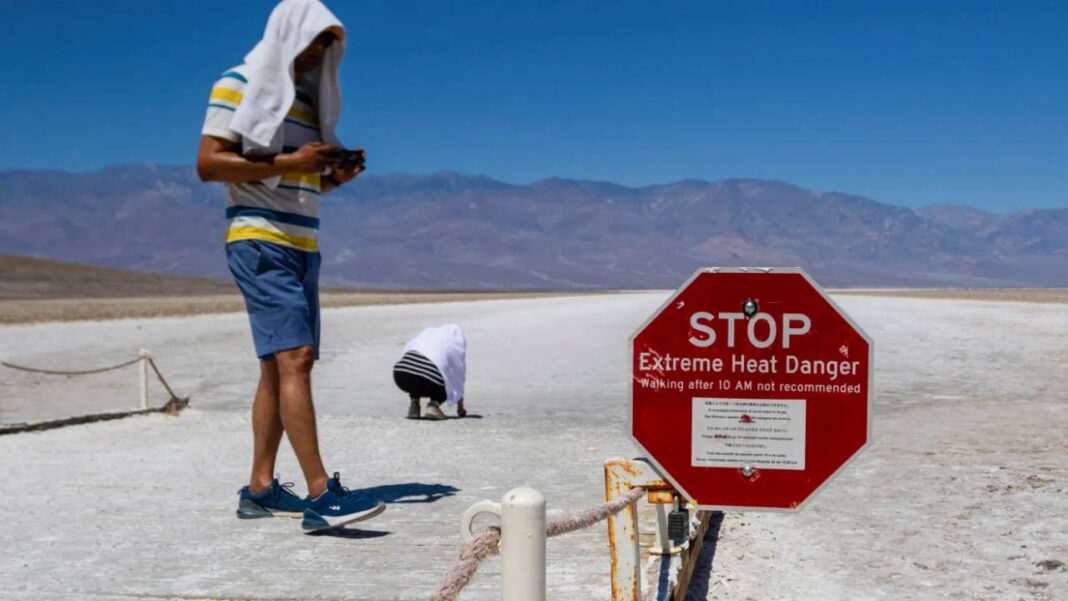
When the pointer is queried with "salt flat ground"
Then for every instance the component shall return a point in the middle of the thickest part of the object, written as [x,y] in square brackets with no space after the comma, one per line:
[961,496]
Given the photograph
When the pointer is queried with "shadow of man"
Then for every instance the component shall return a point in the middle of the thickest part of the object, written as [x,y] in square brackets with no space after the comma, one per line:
[408,492]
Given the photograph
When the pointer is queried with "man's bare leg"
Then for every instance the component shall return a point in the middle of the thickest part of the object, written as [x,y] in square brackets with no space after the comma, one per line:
[266,428]
[298,414]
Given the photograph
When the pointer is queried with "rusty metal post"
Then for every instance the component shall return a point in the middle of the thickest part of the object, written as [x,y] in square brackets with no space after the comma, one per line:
[620,476]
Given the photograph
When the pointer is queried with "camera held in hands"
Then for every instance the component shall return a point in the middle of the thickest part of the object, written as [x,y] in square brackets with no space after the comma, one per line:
[351,159]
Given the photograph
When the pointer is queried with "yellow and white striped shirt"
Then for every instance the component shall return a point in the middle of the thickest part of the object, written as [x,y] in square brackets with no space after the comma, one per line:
[289,214]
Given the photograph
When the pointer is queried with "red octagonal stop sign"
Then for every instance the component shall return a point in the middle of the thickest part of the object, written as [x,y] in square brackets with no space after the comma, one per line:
[750,388]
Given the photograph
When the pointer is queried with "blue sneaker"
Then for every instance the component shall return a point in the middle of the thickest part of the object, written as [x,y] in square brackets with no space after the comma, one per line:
[276,501]
[338,506]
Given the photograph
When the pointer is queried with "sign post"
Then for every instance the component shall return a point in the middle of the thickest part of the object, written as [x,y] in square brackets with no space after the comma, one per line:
[750,389]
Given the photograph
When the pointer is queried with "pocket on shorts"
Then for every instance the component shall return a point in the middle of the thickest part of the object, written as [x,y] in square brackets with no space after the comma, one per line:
[245,257]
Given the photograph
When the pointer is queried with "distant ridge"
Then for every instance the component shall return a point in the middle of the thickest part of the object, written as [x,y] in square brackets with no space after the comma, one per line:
[451,230]
[31,278]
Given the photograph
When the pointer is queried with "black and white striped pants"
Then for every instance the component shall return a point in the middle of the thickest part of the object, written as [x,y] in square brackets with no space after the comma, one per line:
[419,377]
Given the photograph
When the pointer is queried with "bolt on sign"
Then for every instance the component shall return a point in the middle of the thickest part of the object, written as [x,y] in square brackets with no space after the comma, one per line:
[750,388]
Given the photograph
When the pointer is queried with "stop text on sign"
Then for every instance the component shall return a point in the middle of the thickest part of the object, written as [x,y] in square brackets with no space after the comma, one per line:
[793,324]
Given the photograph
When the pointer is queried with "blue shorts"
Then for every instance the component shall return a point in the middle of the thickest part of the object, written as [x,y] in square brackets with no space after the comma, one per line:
[281,289]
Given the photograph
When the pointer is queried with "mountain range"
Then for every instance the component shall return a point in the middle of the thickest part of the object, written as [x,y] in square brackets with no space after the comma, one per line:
[449,230]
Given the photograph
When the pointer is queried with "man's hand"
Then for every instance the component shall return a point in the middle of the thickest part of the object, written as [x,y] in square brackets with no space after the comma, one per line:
[313,157]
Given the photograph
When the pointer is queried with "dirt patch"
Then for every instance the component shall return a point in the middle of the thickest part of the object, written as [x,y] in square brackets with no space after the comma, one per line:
[76,309]
[41,290]
[27,278]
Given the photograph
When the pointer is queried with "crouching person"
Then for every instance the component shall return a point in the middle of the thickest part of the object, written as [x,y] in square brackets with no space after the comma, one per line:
[433,366]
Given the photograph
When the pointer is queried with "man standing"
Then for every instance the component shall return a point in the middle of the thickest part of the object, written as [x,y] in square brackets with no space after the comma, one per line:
[269,134]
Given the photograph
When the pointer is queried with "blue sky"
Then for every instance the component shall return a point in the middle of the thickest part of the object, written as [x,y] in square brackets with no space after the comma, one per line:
[907,102]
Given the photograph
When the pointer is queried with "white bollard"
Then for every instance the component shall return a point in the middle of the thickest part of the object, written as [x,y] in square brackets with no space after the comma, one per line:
[144,378]
[522,515]
[523,545]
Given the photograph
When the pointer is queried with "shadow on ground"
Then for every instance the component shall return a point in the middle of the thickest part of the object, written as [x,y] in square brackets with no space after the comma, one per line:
[702,571]
[352,533]
[409,492]
[448,418]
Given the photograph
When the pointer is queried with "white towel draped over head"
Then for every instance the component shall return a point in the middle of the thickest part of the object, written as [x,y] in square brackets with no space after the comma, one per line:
[269,94]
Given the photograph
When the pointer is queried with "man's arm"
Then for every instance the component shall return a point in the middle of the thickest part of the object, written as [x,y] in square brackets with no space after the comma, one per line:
[218,162]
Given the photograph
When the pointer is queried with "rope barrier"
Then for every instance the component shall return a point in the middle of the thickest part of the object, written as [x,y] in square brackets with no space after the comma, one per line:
[487,543]
[76,372]
[100,370]
[590,517]
[162,380]
[172,407]
[461,572]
